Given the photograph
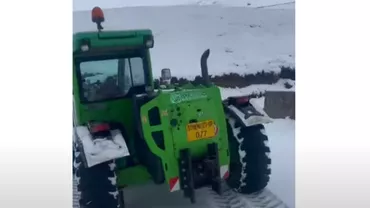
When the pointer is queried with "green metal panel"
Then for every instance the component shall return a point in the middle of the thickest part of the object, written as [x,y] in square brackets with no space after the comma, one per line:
[111,38]
[132,176]
[183,106]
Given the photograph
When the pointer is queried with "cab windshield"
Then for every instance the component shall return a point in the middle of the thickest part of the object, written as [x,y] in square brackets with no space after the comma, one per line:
[110,78]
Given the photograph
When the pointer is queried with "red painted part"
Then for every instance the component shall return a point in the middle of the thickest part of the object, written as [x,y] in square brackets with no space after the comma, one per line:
[216,132]
[173,182]
[227,174]
[241,100]
[99,128]
[97,15]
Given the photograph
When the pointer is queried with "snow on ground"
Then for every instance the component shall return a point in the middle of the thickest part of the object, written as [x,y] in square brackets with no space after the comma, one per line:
[242,40]
[282,143]
[79,5]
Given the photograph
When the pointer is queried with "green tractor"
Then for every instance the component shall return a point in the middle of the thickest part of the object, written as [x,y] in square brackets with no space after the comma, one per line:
[127,133]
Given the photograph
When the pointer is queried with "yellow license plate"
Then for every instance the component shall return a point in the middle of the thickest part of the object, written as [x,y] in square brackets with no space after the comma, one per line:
[201,130]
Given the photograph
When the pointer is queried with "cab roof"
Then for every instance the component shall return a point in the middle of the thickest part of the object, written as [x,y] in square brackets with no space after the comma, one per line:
[112,37]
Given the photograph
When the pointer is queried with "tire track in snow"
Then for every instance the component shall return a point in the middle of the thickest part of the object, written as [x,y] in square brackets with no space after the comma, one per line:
[76,196]
[264,199]
[231,199]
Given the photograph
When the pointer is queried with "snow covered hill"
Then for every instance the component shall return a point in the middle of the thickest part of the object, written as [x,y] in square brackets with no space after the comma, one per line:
[241,3]
[242,40]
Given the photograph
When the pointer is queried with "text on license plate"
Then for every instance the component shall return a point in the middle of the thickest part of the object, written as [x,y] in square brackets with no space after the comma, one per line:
[201,130]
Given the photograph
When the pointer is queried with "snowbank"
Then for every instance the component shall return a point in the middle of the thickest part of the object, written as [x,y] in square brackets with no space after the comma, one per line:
[257,89]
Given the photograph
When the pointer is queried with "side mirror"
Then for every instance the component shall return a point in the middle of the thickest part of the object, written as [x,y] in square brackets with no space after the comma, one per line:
[165,77]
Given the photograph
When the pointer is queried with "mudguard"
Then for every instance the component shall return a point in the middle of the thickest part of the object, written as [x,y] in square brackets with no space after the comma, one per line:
[242,109]
[99,150]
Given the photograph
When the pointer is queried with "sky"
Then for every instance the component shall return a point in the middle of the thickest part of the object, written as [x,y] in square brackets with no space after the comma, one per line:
[79,5]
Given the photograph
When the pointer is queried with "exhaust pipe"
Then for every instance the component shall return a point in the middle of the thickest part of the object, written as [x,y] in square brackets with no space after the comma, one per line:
[204,68]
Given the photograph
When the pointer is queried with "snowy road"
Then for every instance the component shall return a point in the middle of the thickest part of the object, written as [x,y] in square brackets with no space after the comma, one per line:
[206,199]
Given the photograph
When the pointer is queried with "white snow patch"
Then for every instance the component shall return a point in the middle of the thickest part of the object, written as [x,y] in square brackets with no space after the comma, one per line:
[113,180]
[115,194]
[76,164]
[256,89]
[258,103]
[112,166]
[263,131]
[282,143]
[77,154]
[101,150]
[251,120]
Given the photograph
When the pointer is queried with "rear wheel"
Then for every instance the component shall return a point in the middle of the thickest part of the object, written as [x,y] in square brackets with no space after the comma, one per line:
[96,185]
[249,157]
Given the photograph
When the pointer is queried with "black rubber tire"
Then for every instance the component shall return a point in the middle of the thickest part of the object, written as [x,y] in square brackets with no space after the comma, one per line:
[248,146]
[96,185]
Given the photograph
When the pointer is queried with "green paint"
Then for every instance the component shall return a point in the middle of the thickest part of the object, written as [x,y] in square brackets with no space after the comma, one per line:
[207,99]
[179,97]
[132,176]
[119,110]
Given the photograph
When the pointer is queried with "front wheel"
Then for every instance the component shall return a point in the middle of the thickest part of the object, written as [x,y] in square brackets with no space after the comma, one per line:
[249,157]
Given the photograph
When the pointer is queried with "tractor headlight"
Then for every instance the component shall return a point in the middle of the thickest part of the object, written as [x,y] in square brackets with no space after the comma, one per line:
[85,45]
[84,48]
[149,43]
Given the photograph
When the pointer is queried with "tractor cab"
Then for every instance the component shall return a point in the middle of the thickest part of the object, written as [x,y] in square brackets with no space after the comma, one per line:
[112,78]
[109,68]
[112,65]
